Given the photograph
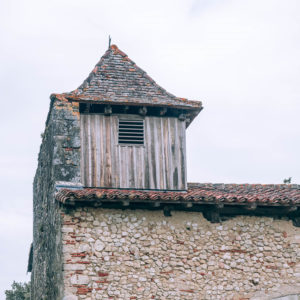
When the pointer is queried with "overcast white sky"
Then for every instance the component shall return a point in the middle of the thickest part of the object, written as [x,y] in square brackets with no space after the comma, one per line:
[240,57]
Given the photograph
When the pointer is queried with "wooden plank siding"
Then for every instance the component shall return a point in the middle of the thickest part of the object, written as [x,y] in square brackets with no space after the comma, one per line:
[159,164]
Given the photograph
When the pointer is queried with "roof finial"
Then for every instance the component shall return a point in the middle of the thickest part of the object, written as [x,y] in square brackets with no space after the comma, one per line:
[109,40]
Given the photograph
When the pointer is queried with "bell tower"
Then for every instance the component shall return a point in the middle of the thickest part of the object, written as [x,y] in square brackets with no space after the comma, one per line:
[132,130]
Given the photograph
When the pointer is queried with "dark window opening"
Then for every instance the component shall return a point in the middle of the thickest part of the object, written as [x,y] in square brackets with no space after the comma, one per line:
[131,131]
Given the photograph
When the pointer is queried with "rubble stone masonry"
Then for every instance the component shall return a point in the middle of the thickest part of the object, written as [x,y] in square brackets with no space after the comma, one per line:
[139,254]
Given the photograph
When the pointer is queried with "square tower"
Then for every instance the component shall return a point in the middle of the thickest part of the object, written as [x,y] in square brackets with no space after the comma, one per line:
[112,168]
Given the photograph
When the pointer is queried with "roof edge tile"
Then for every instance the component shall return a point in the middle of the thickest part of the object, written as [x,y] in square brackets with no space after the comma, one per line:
[266,195]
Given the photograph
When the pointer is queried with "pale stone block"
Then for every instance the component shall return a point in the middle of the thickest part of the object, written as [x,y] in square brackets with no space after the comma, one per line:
[67,229]
[84,248]
[70,297]
[99,246]
[79,279]
[74,267]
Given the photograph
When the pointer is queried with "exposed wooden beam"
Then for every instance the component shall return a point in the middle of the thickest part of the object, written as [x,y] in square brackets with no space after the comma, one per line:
[87,108]
[219,205]
[296,221]
[107,110]
[292,208]
[167,211]
[212,215]
[125,203]
[143,111]
[71,202]
[251,206]
[163,111]
[182,117]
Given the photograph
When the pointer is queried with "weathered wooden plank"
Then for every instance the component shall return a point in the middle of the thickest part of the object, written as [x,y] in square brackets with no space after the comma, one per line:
[98,148]
[108,152]
[166,154]
[169,158]
[126,164]
[153,144]
[102,133]
[84,154]
[141,158]
[93,160]
[171,149]
[123,166]
[147,175]
[182,147]
[156,156]
[89,170]
[134,166]
[162,155]
[150,144]
[175,160]
[131,167]
[114,157]
[83,149]
[174,170]
[119,156]
[177,136]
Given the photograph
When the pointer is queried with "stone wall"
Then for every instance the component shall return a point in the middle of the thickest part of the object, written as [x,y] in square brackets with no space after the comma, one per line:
[59,160]
[115,254]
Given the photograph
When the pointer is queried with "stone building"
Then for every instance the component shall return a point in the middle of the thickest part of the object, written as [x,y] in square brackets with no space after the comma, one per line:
[114,216]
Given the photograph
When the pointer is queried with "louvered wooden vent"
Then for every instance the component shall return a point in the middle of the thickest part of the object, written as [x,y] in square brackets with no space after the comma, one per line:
[131,132]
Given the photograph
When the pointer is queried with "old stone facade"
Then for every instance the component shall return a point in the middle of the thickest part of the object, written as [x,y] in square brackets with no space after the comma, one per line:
[202,241]
[113,254]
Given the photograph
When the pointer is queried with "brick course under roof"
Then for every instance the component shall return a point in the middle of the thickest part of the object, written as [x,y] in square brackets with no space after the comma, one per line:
[116,79]
[266,195]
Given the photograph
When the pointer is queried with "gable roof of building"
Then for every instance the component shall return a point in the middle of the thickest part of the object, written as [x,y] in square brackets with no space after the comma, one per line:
[236,194]
[116,79]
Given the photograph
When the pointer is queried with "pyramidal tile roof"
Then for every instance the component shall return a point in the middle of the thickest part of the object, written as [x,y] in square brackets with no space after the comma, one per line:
[116,79]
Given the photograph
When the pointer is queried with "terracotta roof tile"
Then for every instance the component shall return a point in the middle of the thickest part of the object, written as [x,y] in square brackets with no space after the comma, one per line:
[117,79]
[272,195]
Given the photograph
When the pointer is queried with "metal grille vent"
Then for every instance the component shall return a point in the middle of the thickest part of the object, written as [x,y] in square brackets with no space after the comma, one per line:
[131,132]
